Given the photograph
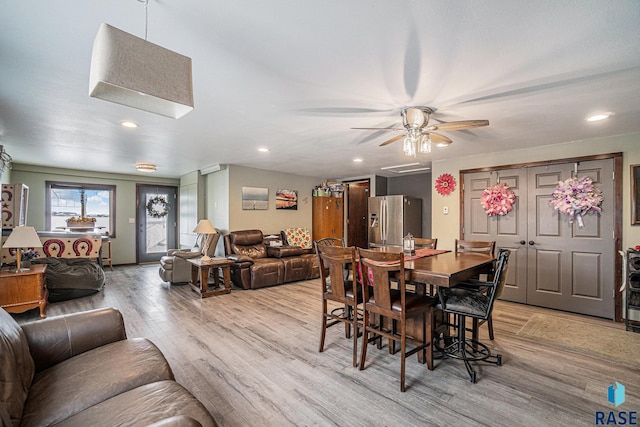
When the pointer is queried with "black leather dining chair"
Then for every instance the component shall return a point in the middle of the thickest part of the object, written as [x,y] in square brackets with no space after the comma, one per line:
[474,299]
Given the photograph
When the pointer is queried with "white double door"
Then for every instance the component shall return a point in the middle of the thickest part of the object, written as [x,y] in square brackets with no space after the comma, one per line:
[553,264]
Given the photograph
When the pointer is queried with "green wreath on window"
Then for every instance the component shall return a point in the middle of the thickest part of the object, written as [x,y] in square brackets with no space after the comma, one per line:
[157,207]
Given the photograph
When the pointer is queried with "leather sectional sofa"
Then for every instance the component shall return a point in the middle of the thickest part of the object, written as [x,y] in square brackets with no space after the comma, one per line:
[257,265]
[80,370]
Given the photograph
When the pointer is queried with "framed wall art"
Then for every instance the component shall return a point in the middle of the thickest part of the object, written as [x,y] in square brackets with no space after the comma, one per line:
[635,194]
[255,198]
[287,199]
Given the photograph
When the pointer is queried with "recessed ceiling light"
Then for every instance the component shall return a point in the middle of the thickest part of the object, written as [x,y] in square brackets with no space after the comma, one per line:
[263,149]
[357,160]
[598,117]
[128,124]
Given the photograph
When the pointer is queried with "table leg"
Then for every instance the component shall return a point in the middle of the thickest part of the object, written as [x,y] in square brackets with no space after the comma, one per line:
[226,276]
[204,279]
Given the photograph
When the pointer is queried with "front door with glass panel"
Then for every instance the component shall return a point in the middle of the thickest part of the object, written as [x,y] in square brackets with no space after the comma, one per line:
[156,221]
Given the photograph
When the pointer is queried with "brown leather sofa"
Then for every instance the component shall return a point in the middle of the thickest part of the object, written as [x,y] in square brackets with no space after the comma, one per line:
[81,370]
[257,265]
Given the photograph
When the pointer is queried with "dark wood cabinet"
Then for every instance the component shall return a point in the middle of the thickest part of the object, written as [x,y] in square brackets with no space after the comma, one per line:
[328,217]
[24,290]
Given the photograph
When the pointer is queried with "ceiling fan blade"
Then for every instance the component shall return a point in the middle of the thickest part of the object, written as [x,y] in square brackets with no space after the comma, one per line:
[459,125]
[396,129]
[394,139]
[436,137]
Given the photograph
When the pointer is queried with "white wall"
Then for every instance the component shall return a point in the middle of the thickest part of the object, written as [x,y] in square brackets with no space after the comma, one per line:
[446,227]
[224,199]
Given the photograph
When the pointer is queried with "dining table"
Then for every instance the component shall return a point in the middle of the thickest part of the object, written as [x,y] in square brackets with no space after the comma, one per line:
[449,268]
[442,267]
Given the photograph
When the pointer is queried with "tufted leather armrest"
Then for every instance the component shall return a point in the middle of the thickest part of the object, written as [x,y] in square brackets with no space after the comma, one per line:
[56,339]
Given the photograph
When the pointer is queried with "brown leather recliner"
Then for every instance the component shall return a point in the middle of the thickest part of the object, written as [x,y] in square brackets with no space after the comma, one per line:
[257,265]
[175,268]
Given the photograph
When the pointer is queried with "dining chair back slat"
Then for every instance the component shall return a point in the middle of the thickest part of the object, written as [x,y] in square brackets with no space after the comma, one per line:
[478,246]
[422,242]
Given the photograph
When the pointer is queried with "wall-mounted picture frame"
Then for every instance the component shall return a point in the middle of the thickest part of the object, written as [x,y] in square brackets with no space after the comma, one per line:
[635,194]
[287,199]
[255,198]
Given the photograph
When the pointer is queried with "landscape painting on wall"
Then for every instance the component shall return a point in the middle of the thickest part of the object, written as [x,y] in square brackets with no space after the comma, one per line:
[255,198]
[287,199]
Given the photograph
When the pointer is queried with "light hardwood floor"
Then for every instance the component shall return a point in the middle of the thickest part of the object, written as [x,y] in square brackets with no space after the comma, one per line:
[252,358]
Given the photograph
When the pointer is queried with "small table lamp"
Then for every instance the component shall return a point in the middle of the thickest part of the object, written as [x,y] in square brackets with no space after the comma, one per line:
[205,227]
[22,238]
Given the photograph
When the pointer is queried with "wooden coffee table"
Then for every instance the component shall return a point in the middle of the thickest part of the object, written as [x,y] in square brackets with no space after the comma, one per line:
[200,271]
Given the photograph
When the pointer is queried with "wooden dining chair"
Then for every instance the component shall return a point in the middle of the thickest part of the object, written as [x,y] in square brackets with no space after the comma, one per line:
[393,308]
[422,242]
[332,261]
[329,241]
[478,246]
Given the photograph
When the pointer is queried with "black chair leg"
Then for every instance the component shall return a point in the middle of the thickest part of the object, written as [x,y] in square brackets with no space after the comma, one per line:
[469,350]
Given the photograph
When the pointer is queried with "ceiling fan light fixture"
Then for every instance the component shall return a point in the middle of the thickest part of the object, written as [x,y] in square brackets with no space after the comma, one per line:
[415,117]
[425,144]
[410,146]
[146,167]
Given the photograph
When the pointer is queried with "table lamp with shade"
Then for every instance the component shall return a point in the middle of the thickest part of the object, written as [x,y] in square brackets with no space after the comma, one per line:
[205,227]
[23,237]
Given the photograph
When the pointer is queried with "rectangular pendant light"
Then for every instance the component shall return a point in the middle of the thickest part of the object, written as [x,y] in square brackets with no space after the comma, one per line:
[128,70]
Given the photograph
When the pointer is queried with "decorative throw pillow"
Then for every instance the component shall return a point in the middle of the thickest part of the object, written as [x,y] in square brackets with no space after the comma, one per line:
[298,237]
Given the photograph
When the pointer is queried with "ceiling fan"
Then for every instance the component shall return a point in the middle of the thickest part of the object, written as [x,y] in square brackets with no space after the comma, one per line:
[418,134]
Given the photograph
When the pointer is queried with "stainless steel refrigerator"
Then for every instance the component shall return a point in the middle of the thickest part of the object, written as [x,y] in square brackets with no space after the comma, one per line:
[391,218]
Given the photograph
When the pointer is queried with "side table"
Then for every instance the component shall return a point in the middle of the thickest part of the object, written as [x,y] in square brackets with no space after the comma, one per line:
[24,290]
[200,276]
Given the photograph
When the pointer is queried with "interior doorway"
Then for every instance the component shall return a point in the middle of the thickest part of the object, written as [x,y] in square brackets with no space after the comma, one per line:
[554,263]
[156,221]
[357,200]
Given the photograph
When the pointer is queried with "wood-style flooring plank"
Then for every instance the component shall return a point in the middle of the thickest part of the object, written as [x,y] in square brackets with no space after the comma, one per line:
[252,358]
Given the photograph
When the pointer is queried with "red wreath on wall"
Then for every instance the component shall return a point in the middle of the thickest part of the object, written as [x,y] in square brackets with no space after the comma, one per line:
[445,184]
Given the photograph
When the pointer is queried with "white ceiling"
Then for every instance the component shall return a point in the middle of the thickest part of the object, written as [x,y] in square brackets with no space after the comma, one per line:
[295,76]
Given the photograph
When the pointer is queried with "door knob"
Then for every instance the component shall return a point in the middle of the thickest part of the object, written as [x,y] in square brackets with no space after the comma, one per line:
[522,242]
[531,242]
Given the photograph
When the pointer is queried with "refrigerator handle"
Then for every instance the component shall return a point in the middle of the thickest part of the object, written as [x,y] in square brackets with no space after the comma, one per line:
[383,222]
